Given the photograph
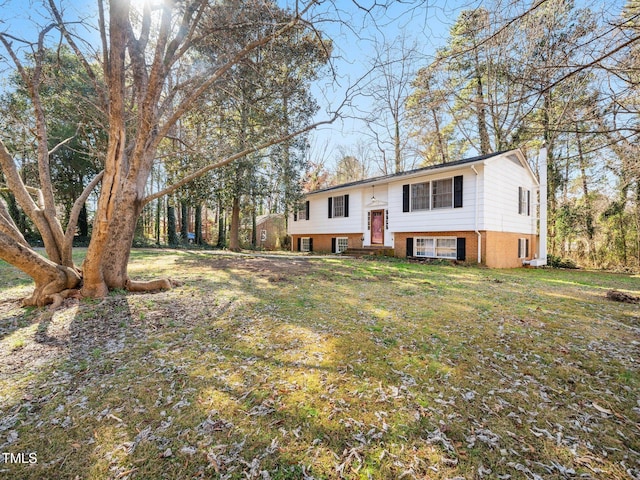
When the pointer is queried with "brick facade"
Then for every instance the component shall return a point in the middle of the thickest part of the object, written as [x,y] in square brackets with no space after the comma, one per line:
[503,249]
[499,249]
[471,240]
[322,242]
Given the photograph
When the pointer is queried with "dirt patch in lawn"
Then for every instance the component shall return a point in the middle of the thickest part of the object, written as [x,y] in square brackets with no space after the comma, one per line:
[264,265]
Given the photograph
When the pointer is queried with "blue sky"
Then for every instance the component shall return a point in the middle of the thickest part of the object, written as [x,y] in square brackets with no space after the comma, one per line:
[356,38]
[355,35]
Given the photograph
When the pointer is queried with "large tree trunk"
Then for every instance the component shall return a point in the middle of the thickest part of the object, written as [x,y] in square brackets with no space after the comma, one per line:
[198,225]
[222,237]
[184,222]
[137,60]
[234,236]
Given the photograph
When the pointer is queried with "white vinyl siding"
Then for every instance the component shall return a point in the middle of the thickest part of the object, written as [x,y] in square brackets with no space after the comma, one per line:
[319,221]
[503,180]
[433,220]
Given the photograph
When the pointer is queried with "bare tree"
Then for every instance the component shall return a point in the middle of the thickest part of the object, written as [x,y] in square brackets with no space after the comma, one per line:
[393,70]
[139,50]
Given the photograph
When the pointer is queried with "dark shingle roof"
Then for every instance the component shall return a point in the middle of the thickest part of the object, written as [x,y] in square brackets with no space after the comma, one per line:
[409,172]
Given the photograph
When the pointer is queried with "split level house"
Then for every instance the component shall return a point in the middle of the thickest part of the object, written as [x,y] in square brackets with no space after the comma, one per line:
[477,210]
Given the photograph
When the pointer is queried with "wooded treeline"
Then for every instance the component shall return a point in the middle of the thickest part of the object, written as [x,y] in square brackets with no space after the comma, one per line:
[266,96]
[497,86]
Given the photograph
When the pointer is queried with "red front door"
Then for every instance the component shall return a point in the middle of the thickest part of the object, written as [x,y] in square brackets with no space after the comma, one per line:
[377,227]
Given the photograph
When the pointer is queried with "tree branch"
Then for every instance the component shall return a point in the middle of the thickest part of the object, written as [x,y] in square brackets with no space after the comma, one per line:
[226,161]
[73,217]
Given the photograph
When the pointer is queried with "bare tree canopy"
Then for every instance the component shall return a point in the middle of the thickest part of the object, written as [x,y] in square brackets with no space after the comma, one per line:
[148,72]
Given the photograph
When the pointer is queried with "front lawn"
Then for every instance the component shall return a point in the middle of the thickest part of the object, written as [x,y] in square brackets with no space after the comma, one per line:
[300,368]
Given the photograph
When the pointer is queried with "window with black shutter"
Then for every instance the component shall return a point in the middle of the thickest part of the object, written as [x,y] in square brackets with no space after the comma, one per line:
[405,198]
[461,249]
[339,206]
[457,191]
[524,201]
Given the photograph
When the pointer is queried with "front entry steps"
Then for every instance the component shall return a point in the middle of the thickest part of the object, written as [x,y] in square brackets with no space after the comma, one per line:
[376,250]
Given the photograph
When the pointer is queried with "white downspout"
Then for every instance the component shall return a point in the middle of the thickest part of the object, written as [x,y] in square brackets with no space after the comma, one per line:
[473,167]
[542,241]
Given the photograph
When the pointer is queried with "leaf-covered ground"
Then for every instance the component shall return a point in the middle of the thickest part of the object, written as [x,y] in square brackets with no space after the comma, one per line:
[300,368]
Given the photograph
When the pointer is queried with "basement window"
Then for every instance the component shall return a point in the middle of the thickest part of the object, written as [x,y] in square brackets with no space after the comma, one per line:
[436,247]
[342,243]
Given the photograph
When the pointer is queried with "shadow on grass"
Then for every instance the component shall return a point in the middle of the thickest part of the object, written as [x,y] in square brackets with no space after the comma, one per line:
[336,369]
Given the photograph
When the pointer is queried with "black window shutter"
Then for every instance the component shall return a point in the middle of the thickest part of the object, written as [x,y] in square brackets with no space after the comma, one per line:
[346,205]
[461,244]
[330,207]
[526,247]
[333,245]
[528,202]
[410,247]
[295,216]
[405,198]
[307,208]
[520,201]
[457,191]
[311,244]
[299,243]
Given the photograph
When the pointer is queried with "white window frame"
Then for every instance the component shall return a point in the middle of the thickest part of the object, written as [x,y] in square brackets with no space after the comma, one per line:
[305,244]
[342,243]
[338,206]
[302,213]
[431,195]
[522,247]
[441,195]
[426,197]
[524,208]
[435,250]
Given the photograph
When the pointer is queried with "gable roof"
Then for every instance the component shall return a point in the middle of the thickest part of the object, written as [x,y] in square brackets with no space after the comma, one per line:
[384,178]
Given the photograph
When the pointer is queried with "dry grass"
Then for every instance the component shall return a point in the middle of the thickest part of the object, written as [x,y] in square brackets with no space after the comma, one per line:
[325,368]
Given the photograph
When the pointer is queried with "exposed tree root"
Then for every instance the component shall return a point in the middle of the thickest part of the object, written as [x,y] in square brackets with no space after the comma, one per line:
[149,286]
[61,286]
[58,298]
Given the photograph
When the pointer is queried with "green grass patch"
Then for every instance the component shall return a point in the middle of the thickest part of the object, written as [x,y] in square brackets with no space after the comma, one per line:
[325,368]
